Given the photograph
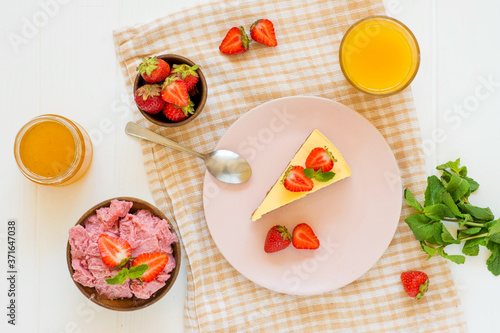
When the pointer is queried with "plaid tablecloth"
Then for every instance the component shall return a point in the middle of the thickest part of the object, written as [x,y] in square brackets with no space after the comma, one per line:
[305,62]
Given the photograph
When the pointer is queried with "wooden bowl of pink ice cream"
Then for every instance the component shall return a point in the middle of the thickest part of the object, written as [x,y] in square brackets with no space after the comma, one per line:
[146,229]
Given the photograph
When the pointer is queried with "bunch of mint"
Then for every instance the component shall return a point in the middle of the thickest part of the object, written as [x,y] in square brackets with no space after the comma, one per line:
[447,199]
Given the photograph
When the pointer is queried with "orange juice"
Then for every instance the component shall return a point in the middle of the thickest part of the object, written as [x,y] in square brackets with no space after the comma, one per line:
[379,55]
[53,150]
[48,149]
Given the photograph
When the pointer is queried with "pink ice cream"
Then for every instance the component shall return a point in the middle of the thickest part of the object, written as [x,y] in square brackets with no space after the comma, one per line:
[142,230]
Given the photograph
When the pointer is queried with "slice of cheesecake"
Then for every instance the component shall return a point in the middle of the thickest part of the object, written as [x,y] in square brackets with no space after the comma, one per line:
[278,196]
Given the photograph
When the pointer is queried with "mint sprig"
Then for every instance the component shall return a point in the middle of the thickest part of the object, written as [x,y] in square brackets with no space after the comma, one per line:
[447,201]
[134,272]
[319,175]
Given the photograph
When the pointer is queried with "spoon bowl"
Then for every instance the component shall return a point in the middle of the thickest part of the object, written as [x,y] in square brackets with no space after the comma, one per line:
[225,165]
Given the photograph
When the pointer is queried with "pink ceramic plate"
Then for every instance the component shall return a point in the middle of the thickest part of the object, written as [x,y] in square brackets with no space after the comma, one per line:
[354,219]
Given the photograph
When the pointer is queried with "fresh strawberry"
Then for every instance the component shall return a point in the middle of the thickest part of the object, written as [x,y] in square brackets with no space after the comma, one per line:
[304,238]
[262,31]
[174,91]
[156,261]
[153,70]
[236,41]
[277,239]
[320,158]
[187,73]
[415,283]
[148,98]
[178,113]
[296,181]
[114,251]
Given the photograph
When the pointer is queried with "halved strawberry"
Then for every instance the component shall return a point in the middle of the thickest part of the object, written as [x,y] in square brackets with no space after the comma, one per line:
[277,239]
[187,73]
[114,251]
[236,41]
[156,261]
[304,238]
[320,158]
[174,91]
[296,181]
[262,31]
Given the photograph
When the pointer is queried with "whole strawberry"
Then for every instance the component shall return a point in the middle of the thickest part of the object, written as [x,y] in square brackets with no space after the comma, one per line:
[278,238]
[178,113]
[187,73]
[153,70]
[148,98]
[415,283]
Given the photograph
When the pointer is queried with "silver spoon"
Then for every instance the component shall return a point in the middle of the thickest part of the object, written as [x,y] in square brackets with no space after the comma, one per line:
[225,165]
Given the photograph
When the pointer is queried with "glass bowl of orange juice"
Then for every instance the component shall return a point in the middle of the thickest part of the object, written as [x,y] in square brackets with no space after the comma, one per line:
[379,55]
[53,150]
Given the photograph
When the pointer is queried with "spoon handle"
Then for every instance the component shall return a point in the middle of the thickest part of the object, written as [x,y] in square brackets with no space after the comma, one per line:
[140,132]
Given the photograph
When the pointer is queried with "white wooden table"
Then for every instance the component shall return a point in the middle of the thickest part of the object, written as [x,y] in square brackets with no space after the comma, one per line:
[58,57]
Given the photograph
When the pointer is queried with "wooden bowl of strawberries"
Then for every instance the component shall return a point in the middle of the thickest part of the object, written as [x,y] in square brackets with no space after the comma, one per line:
[170,90]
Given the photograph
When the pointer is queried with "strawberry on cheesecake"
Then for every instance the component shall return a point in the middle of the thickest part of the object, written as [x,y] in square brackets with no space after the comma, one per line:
[317,164]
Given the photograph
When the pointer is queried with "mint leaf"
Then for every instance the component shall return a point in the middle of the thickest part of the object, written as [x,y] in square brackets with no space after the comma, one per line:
[481,214]
[456,258]
[119,278]
[458,187]
[493,261]
[446,237]
[323,177]
[309,173]
[469,232]
[434,191]
[450,203]
[437,212]
[136,272]
[473,184]
[411,201]
[421,227]
[471,247]
[431,251]
[493,227]
[452,165]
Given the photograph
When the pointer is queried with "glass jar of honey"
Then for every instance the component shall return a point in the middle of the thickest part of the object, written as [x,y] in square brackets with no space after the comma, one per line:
[53,150]
[379,55]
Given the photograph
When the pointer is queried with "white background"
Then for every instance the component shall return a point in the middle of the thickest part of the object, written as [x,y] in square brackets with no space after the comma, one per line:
[68,66]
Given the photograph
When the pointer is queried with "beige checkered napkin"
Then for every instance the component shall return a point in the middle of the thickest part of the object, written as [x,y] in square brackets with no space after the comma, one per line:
[220,299]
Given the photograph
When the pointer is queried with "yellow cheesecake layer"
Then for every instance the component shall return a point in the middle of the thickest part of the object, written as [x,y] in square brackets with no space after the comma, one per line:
[279,196]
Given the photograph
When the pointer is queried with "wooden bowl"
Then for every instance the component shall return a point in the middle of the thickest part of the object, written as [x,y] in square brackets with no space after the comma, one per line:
[133,303]
[199,99]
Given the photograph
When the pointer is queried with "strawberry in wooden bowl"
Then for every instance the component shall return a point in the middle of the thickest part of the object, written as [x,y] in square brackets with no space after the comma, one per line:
[182,89]
[123,254]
